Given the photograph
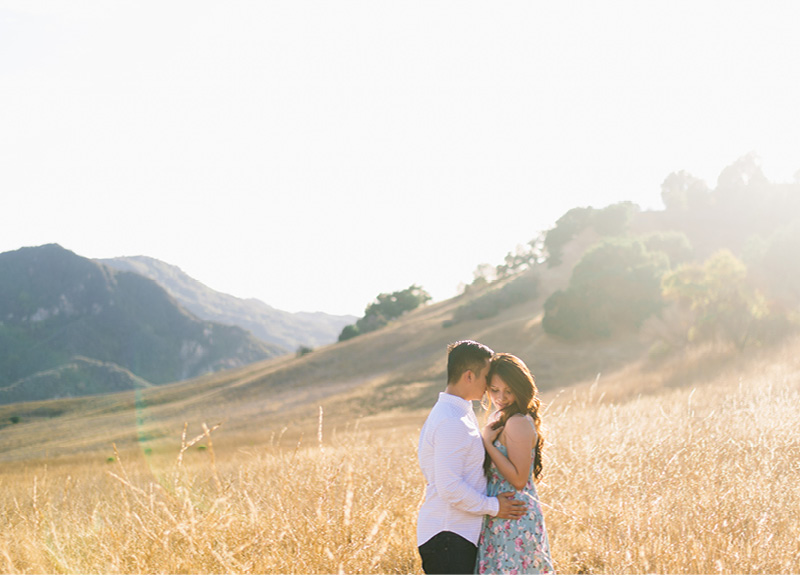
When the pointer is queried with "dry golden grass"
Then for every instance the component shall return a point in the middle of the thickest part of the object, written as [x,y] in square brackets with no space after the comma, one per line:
[698,479]
[305,510]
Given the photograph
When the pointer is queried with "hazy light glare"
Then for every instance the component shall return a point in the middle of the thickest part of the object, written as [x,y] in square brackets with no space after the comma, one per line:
[315,154]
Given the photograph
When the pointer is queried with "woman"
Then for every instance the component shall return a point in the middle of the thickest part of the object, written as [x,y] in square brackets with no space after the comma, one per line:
[514,441]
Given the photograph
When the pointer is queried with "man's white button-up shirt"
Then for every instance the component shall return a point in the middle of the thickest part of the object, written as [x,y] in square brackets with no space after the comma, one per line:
[451,457]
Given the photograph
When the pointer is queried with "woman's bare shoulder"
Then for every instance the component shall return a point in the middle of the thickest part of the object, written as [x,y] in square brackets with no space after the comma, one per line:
[519,427]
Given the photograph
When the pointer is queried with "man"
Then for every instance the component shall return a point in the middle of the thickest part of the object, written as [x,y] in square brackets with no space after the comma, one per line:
[451,456]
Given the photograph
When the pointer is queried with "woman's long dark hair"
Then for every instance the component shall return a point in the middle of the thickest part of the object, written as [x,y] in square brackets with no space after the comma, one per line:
[519,379]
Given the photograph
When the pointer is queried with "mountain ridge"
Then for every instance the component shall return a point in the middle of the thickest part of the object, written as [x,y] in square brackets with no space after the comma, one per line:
[285,329]
[56,305]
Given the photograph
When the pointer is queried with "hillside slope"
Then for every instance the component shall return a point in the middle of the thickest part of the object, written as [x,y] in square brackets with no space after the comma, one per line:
[399,369]
[280,328]
[385,379]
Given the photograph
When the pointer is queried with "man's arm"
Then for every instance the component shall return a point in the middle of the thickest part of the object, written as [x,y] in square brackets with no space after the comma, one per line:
[451,452]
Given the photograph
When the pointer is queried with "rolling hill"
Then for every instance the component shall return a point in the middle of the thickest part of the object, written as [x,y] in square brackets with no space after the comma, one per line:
[79,376]
[399,369]
[393,375]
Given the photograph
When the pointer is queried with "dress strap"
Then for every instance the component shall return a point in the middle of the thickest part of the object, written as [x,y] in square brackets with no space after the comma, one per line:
[533,425]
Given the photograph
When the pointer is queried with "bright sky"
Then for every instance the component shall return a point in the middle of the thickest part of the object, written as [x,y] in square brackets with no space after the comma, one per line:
[315,154]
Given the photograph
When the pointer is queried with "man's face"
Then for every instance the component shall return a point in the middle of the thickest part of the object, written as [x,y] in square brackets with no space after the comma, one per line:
[480,382]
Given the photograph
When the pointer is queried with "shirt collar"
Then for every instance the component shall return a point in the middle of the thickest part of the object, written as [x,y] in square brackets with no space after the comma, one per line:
[463,404]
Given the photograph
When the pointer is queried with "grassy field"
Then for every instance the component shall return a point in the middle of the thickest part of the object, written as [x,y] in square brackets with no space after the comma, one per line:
[697,474]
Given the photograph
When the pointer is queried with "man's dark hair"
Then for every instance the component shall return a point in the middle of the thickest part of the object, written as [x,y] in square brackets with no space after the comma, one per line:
[466,355]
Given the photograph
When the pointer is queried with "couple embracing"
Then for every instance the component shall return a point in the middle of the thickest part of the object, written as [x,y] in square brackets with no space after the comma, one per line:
[481,513]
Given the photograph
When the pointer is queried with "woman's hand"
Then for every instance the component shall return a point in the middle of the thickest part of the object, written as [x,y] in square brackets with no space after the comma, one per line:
[489,434]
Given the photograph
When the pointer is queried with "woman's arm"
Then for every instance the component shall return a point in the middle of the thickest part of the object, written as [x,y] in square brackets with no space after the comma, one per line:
[519,437]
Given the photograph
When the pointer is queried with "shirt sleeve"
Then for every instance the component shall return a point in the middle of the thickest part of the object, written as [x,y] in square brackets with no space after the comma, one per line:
[450,454]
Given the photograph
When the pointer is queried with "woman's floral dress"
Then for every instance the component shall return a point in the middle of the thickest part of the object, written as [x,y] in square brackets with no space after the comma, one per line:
[514,546]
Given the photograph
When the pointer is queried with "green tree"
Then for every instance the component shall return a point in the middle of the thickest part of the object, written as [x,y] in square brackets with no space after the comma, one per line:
[724,303]
[392,305]
[613,220]
[567,227]
[566,314]
[615,286]
[519,260]
[372,321]
[304,350]
[777,265]
[681,191]
[386,307]
[744,172]
[675,245]
[349,332]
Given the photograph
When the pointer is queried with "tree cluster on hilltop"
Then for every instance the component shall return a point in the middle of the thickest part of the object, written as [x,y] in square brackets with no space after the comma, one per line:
[717,263]
[612,220]
[724,267]
[385,308]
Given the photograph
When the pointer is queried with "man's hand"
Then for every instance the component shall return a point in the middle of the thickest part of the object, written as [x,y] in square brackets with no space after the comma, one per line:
[510,508]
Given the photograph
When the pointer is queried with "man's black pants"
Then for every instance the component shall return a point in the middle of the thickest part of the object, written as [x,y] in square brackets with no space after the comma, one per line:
[447,552]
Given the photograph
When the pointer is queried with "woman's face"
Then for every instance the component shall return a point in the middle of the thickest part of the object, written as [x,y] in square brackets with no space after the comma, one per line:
[500,393]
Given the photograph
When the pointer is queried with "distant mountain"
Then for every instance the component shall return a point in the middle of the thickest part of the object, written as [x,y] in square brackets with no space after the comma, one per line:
[56,305]
[287,330]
